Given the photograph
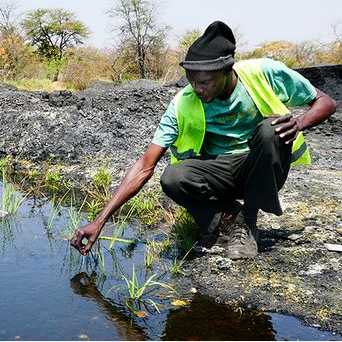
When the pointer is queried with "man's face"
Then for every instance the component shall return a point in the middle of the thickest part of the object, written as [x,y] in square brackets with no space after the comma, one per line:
[209,84]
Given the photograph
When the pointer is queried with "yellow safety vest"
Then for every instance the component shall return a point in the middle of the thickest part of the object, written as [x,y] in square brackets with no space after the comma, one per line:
[191,116]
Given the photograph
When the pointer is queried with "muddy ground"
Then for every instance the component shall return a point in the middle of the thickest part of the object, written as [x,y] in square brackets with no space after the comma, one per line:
[295,272]
[111,126]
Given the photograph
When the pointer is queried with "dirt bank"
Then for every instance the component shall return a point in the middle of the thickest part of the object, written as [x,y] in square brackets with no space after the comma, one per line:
[110,125]
[104,125]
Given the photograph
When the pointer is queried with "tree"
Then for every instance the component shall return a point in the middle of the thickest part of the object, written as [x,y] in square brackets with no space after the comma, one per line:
[186,41]
[8,19]
[138,28]
[52,31]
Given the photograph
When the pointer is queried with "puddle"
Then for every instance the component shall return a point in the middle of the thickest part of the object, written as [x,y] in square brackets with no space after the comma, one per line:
[50,292]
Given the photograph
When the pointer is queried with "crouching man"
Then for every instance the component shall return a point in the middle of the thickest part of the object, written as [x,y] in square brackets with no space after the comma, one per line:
[231,137]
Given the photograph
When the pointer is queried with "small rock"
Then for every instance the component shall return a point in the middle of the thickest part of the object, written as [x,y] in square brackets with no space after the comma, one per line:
[294,237]
[223,263]
[314,269]
[3,213]
[83,337]
[310,229]
[214,250]
[333,247]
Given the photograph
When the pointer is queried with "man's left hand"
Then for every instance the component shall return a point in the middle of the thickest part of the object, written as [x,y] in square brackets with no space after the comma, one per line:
[287,127]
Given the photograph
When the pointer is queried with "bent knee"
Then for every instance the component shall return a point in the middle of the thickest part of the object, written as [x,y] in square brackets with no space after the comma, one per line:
[169,178]
[175,178]
[265,130]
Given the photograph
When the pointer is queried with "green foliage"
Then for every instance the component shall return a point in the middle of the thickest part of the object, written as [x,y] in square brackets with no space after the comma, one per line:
[75,217]
[146,206]
[186,41]
[176,267]
[154,249]
[11,199]
[102,179]
[4,164]
[54,30]
[94,207]
[137,291]
[149,258]
[53,180]
[185,231]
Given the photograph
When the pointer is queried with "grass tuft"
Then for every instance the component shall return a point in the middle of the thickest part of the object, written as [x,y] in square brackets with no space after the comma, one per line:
[185,232]
[146,206]
[137,291]
[11,199]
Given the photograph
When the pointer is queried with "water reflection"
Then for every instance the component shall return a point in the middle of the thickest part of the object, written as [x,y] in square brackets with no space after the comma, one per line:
[203,319]
[84,286]
[8,231]
[206,320]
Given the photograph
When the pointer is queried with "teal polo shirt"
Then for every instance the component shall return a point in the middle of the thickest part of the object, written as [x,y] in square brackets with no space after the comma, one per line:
[231,122]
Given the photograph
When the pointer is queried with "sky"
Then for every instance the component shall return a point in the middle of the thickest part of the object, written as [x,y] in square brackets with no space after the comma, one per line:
[256,20]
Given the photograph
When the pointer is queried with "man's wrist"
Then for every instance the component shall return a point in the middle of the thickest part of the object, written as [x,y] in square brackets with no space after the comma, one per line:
[300,120]
[100,222]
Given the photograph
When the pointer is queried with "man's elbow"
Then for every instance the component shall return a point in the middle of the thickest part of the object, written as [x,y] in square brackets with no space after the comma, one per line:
[330,103]
[333,105]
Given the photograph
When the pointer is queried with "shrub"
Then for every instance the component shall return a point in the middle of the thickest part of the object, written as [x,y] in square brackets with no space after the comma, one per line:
[85,65]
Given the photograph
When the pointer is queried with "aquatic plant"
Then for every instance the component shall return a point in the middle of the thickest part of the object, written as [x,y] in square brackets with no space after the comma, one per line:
[75,217]
[184,231]
[4,164]
[146,206]
[94,207]
[176,267]
[56,208]
[137,291]
[154,249]
[53,180]
[102,179]
[11,199]
[149,258]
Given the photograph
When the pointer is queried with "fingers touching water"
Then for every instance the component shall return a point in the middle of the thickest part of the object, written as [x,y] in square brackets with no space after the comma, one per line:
[85,237]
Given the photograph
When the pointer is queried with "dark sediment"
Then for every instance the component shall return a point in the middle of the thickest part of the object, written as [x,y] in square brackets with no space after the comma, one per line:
[111,125]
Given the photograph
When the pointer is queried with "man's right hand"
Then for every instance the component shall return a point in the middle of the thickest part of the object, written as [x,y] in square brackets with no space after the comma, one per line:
[90,232]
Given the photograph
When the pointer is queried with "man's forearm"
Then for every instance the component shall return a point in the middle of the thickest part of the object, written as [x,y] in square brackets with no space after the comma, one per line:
[321,108]
[136,177]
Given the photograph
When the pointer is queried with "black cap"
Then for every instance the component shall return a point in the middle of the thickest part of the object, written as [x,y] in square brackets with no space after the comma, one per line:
[214,50]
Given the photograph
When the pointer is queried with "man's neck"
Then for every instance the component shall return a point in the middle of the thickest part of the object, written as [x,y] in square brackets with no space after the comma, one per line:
[231,84]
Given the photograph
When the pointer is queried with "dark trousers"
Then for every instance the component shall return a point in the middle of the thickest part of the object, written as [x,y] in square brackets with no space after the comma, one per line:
[208,187]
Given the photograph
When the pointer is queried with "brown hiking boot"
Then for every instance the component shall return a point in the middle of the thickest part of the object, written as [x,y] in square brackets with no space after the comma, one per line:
[210,239]
[241,241]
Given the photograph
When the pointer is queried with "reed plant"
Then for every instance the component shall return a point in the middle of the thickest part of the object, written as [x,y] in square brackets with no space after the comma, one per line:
[56,209]
[75,218]
[4,164]
[136,291]
[184,231]
[11,199]
[93,208]
[146,206]
[176,267]
[154,249]
[53,180]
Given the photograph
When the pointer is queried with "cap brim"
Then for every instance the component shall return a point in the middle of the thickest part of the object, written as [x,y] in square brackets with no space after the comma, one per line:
[208,65]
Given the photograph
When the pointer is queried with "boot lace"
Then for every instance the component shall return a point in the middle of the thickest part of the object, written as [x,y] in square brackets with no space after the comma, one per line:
[238,233]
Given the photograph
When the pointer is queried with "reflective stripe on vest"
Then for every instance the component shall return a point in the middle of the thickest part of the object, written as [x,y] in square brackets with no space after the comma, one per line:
[191,116]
